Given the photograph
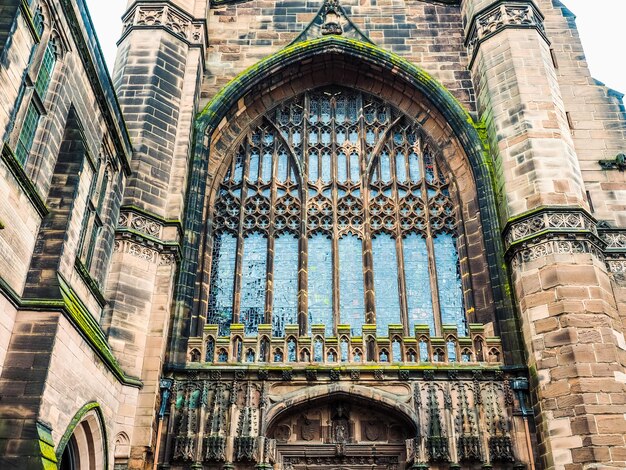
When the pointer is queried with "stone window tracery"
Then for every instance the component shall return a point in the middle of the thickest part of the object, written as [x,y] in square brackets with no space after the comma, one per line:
[336,210]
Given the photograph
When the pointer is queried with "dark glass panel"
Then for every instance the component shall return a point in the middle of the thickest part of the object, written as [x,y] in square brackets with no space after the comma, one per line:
[386,283]
[418,290]
[222,282]
[449,282]
[253,275]
[285,308]
[351,294]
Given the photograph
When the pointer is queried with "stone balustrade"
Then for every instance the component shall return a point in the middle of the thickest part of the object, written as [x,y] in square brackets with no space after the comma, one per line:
[319,348]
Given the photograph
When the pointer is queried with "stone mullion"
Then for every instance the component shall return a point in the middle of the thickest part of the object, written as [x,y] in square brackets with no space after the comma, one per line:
[271,234]
[404,308]
[240,235]
[368,258]
[465,266]
[335,204]
[430,244]
[303,280]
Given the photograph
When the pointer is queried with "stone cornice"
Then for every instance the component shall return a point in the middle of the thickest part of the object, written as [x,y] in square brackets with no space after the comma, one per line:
[147,236]
[558,230]
[75,311]
[165,15]
[504,14]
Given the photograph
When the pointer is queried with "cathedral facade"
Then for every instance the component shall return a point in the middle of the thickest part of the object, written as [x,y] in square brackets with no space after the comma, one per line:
[330,234]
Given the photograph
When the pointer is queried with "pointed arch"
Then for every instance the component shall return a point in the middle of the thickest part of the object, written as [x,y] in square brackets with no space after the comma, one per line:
[89,420]
[311,396]
[248,92]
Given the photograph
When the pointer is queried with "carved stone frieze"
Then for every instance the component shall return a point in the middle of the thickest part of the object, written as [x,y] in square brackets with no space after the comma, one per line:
[549,220]
[146,253]
[140,223]
[502,15]
[551,247]
[167,16]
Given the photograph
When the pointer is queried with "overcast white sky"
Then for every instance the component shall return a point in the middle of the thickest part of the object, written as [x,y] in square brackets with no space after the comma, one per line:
[600,22]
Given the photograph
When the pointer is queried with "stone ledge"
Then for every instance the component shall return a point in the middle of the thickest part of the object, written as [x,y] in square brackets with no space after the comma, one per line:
[75,311]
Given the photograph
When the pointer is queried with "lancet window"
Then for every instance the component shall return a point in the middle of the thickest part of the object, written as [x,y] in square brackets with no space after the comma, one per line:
[336,210]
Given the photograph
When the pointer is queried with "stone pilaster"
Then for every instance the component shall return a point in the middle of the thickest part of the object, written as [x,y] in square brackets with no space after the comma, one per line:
[570,325]
[157,74]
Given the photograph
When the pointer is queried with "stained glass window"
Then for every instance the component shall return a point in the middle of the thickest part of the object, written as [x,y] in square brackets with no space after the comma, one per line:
[253,275]
[222,280]
[351,294]
[320,282]
[285,307]
[418,293]
[357,184]
[449,281]
[386,283]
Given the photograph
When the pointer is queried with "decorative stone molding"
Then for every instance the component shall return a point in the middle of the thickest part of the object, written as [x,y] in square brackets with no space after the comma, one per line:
[310,352]
[146,253]
[614,239]
[502,15]
[558,231]
[552,247]
[548,221]
[166,16]
[140,223]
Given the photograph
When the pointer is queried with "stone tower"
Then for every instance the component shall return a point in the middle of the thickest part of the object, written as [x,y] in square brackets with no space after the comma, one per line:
[309,235]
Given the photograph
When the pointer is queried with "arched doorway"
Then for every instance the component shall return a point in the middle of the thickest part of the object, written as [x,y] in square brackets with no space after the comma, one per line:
[341,431]
[83,446]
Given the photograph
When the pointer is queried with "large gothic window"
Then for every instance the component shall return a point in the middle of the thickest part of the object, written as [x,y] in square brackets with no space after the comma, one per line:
[336,210]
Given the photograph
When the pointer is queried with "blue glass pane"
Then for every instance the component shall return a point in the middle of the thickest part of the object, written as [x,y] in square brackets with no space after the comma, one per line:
[325,137]
[325,110]
[385,169]
[418,290]
[313,171]
[429,165]
[351,295]
[386,283]
[238,175]
[318,350]
[210,350]
[449,283]
[344,350]
[342,167]
[281,171]
[326,169]
[253,267]
[320,282]
[355,171]
[400,167]
[222,282]
[424,351]
[253,171]
[414,167]
[314,111]
[291,350]
[266,170]
[396,351]
[285,310]
[451,351]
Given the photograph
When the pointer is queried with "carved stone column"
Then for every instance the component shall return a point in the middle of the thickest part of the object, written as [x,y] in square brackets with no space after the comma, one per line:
[571,329]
